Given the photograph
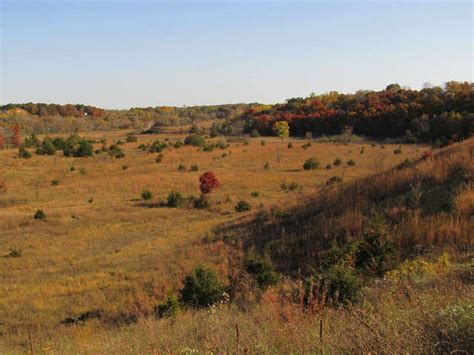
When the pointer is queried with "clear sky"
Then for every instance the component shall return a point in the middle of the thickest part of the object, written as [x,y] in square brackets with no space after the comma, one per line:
[120,54]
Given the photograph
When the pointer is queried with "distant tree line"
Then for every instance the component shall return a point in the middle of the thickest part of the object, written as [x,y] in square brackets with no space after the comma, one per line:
[52,118]
[425,115]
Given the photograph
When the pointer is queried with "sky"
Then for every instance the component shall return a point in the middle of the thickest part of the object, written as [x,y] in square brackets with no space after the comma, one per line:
[121,54]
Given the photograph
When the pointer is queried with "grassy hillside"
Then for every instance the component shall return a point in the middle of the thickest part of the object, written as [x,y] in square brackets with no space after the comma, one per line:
[101,248]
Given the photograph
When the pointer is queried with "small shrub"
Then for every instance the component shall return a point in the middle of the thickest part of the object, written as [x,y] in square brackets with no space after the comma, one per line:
[47,147]
[362,150]
[169,308]
[14,253]
[157,147]
[407,163]
[311,164]
[397,151]
[174,199]
[328,166]
[181,167]
[178,144]
[90,200]
[263,143]
[254,133]
[375,252]
[23,153]
[201,289]
[39,214]
[55,182]
[125,167]
[290,145]
[246,142]
[254,194]
[242,206]
[146,195]
[294,186]
[159,158]
[261,269]
[195,140]
[208,148]
[337,162]
[82,171]
[131,138]
[342,284]
[208,182]
[116,152]
[334,180]
[72,168]
[351,162]
[267,166]
[202,202]
[194,168]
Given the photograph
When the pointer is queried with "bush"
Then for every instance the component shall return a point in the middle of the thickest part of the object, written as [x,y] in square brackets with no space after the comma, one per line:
[14,253]
[32,141]
[407,163]
[116,152]
[351,162]
[178,144]
[261,269]
[23,153]
[208,148]
[290,145]
[39,214]
[375,251]
[174,199]
[328,166]
[195,140]
[169,308]
[254,194]
[55,182]
[208,182]
[342,284]
[181,167]
[131,138]
[157,147]
[202,202]
[159,158]
[254,133]
[337,162]
[47,147]
[201,289]
[194,168]
[125,167]
[147,195]
[76,147]
[334,180]
[397,151]
[242,206]
[263,143]
[311,164]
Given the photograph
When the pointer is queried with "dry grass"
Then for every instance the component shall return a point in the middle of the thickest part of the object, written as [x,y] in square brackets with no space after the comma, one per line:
[112,252]
[396,315]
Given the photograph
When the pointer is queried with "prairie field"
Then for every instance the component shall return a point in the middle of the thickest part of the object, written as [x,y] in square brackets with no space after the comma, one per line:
[102,247]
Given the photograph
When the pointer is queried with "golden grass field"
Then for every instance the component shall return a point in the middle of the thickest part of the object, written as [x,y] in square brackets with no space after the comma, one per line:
[113,251]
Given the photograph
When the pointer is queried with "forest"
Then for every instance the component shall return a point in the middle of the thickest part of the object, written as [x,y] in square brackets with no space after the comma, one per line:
[432,114]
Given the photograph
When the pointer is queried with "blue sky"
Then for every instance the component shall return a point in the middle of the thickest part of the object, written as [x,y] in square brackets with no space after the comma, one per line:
[120,54]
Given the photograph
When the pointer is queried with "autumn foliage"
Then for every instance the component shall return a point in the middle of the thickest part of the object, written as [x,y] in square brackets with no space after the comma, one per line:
[16,136]
[208,182]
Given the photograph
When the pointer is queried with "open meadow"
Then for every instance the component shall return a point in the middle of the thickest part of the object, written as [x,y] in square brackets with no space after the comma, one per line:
[102,247]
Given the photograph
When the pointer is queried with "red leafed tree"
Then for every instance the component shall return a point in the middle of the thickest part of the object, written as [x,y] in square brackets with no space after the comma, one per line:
[2,141]
[16,136]
[209,182]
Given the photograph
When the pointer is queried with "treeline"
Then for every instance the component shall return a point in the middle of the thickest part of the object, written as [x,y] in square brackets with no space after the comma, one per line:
[52,118]
[43,110]
[426,115]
